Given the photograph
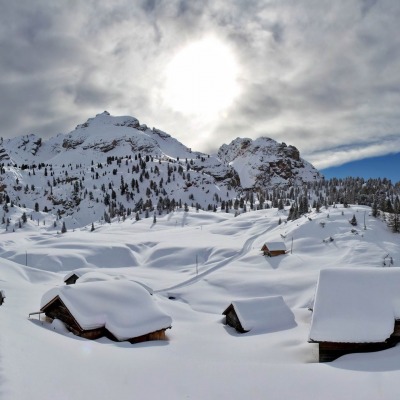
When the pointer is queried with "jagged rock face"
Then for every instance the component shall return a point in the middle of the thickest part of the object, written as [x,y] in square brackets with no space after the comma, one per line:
[264,163]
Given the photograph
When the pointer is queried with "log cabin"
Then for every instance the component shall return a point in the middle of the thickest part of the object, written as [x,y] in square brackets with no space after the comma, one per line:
[120,310]
[259,314]
[356,310]
[273,249]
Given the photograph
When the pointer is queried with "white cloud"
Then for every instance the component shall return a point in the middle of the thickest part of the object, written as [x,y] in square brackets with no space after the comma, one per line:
[317,74]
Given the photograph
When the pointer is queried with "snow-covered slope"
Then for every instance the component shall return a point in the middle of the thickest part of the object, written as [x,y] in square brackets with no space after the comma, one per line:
[100,137]
[197,263]
[116,165]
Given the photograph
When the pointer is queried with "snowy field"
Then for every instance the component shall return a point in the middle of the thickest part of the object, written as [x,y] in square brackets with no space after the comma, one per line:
[196,264]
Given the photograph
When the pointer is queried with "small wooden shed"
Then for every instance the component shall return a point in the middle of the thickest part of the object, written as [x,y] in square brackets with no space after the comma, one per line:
[74,275]
[119,310]
[261,314]
[356,310]
[273,249]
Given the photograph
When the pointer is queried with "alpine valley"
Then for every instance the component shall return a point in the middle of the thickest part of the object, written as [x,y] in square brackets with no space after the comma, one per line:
[119,233]
[110,168]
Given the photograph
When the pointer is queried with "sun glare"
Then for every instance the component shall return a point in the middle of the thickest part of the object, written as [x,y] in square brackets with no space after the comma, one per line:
[201,80]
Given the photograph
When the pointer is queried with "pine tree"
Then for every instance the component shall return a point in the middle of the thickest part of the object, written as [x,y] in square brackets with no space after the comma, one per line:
[353,221]
[375,211]
[393,220]
[92,228]
[63,228]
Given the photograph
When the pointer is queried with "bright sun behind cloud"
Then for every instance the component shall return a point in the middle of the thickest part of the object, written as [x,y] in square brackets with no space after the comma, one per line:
[201,80]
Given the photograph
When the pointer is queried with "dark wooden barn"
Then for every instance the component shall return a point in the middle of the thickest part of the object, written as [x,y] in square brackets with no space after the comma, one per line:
[273,249]
[356,310]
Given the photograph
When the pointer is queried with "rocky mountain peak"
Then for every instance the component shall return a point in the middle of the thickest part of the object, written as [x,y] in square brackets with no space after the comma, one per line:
[265,162]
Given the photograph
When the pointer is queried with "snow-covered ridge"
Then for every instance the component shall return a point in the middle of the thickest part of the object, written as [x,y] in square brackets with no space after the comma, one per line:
[117,165]
[258,162]
[265,162]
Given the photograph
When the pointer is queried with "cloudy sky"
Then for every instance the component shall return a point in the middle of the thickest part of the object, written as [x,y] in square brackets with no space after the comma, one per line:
[322,75]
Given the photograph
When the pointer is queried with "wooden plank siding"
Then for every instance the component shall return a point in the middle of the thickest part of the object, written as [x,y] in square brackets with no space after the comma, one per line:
[330,351]
[272,253]
[233,320]
[56,309]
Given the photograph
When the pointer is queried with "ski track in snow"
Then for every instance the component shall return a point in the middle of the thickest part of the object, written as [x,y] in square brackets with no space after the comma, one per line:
[245,249]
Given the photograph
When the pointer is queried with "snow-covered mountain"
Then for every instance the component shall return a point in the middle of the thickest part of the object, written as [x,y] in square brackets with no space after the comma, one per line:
[115,165]
[264,163]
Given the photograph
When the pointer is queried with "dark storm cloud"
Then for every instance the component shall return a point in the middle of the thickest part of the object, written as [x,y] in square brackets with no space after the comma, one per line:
[321,75]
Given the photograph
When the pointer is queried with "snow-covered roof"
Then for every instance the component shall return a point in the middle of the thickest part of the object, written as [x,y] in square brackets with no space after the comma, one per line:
[356,305]
[89,275]
[274,246]
[78,272]
[125,308]
[267,314]
[95,276]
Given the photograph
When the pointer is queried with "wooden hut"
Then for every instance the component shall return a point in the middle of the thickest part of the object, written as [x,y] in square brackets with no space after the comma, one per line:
[273,249]
[71,279]
[118,309]
[232,319]
[356,310]
[74,275]
[260,314]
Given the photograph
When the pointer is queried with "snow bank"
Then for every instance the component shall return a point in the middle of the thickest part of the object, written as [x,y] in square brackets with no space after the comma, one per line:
[125,308]
[357,305]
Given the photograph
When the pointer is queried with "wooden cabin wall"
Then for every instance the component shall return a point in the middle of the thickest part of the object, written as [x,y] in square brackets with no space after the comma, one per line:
[233,320]
[158,335]
[396,331]
[330,351]
[58,310]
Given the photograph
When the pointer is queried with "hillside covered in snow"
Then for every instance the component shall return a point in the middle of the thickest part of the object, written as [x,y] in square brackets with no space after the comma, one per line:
[196,263]
[113,166]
